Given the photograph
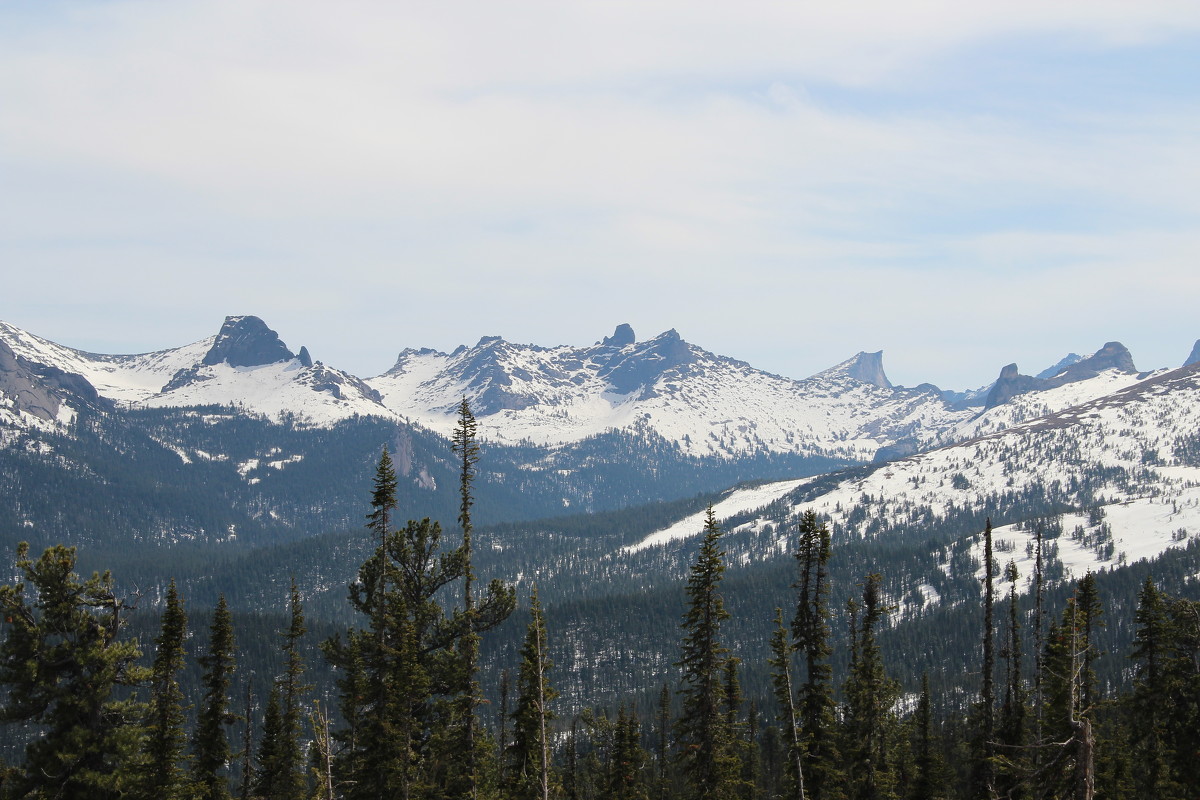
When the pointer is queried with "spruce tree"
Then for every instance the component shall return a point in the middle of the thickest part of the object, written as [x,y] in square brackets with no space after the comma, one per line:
[210,743]
[707,757]
[293,689]
[625,768]
[162,774]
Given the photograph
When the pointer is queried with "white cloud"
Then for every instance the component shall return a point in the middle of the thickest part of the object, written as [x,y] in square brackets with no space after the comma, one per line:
[674,164]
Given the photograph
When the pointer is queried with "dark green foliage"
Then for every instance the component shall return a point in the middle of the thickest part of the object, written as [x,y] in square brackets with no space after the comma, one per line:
[706,752]
[61,661]
[528,757]
[785,699]
[210,742]
[281,769]
[811,636]
[929,778]
[870,695]
[983,761]
[162,774]
[464,445]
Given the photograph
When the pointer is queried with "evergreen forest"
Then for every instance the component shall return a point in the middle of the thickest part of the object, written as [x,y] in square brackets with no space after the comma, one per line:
[435,679]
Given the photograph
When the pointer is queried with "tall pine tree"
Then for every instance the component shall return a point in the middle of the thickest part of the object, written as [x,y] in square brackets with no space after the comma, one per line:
[210,743]
[162,775]
[60,662]
[529,763]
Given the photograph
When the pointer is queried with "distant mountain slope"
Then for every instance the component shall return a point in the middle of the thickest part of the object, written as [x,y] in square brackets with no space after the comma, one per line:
[244,365]
[1132,455]
[707,404]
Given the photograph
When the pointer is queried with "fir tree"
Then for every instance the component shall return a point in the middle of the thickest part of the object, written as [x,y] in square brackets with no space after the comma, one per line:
[210,743]
[270,781]
[706,754]
[60,662]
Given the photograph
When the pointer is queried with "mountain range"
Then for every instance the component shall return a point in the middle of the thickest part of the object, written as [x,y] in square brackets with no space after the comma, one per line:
[705,404]
[234,462]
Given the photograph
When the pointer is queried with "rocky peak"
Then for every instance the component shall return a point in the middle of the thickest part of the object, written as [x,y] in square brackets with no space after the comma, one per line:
[247,342]
[621,337]
[1195,356]
[865,367]
[1011,383]
[868,368]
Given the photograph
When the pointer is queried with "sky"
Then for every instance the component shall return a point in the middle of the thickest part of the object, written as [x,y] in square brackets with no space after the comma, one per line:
[962,185]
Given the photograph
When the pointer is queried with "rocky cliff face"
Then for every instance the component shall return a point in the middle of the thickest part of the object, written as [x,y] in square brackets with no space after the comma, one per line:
[1011,383]
[38,389]
[247,342]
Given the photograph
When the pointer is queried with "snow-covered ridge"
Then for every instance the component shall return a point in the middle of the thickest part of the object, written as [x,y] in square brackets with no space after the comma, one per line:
[708,404]
[121,378]
[1133,454]
[201,374]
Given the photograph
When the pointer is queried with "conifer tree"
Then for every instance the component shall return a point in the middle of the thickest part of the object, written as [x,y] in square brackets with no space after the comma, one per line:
[529,764]
[270,782]
[60,661]
[706,754]
[1091,613]
[983,768]
[281,773]
[162,774]
[1153,774]
[210,743]
[466,447]
[383,498]
[1011,730]
[664,743]
[628,757]
[781,678]
[811,634]
[870,695]
[928,780]
[247,780]
[291,765]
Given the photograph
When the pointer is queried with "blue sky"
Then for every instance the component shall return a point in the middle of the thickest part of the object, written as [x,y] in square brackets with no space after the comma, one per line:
[960,185]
